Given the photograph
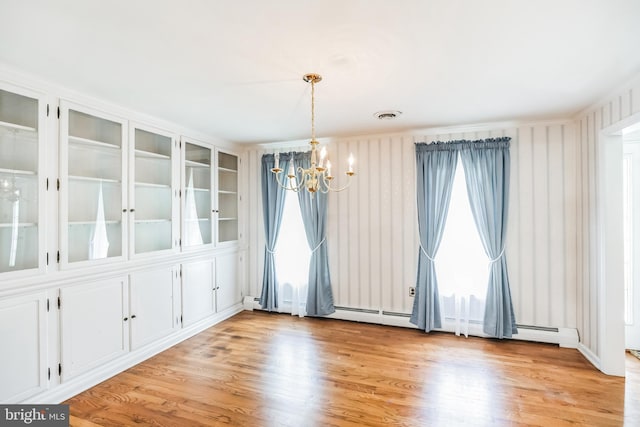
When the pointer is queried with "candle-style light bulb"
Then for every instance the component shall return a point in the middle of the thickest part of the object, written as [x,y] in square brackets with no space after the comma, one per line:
[351,162]
[328,168]
[277,159]
[323,155]
[292,170]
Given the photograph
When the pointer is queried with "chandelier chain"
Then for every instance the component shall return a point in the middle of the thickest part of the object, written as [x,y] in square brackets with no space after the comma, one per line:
[313,110]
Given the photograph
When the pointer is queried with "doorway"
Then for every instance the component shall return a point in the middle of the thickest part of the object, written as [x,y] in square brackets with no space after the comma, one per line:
[631,227]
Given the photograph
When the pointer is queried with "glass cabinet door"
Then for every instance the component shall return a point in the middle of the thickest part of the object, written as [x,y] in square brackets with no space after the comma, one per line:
[20,195]
[93,206]
[227,197]
[197,195]
[151,174]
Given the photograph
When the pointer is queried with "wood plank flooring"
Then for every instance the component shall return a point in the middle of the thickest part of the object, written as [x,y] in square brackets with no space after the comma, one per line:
[261,369]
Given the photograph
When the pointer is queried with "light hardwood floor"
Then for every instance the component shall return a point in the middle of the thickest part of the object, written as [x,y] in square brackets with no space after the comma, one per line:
[261,369]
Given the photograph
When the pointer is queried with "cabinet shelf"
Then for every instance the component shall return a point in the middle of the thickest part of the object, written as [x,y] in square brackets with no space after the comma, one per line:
[94,179]
[72,223]
[220,169]
[149,221]
[194,164]
[20,224]
[151,155]
[197,189]
[227,192]
[92,143]
[13,126]
[228,219]
[151,185]
[17,172]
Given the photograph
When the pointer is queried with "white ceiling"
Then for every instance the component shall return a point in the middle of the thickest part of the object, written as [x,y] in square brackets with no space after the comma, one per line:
[233,69]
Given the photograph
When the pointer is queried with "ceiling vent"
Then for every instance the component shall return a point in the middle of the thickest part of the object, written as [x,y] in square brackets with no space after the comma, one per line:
[387,115]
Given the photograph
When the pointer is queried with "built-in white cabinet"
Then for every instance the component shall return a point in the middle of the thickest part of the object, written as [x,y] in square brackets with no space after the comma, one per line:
[153,201]
[154,305]
[23,338]
[93,201]
[117,239]
[94,325]
[22,114]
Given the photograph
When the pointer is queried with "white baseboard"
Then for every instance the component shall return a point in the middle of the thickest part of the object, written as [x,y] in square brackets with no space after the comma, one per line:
[68,389]
[590,356]
[564,337]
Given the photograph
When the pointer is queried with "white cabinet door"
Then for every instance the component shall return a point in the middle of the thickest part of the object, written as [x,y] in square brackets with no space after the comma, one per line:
[227,286]
[227,197]
[93,203]
[23,355]
[94,325]
[197,291]
[154,204]
[22,179]
[197,193]
[152,313]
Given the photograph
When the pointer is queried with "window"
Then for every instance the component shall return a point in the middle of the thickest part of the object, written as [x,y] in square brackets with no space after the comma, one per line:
[462,266]
[292,256]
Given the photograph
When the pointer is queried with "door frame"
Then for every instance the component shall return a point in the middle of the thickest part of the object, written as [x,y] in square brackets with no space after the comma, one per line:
[610,250]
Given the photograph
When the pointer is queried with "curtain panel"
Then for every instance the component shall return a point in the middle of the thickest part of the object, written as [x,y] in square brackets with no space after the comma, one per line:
[435,169]
[313,207]
[487,168]
[272,208]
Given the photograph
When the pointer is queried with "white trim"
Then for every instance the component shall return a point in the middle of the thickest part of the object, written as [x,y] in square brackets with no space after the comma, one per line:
[590,356]
[610,279]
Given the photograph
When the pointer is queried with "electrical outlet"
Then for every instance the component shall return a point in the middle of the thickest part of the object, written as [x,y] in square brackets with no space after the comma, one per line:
[412,291]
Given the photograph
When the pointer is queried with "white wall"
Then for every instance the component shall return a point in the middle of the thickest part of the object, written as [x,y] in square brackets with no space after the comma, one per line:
[373,227]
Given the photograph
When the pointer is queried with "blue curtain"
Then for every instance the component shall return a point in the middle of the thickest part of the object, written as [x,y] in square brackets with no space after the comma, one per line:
[313,207]
[435,169]
[272,208]
[487,166]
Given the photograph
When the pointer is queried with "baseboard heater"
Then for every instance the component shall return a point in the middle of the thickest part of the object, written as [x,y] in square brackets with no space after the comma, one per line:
[537,328]
[396,314]
[372,311]
[358,310]
[565,337]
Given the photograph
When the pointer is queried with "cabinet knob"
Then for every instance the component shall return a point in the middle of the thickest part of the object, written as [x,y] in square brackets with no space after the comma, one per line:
[133,316]
[132,210]
[124,211]
[126,318]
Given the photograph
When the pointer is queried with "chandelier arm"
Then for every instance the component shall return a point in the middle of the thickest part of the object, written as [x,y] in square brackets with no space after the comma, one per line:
[286,187]
[329,187]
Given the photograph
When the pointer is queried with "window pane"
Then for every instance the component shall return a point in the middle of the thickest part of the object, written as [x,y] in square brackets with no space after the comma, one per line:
[461,263]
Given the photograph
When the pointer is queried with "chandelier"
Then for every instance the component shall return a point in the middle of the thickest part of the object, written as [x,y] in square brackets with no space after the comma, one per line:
[318,177]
